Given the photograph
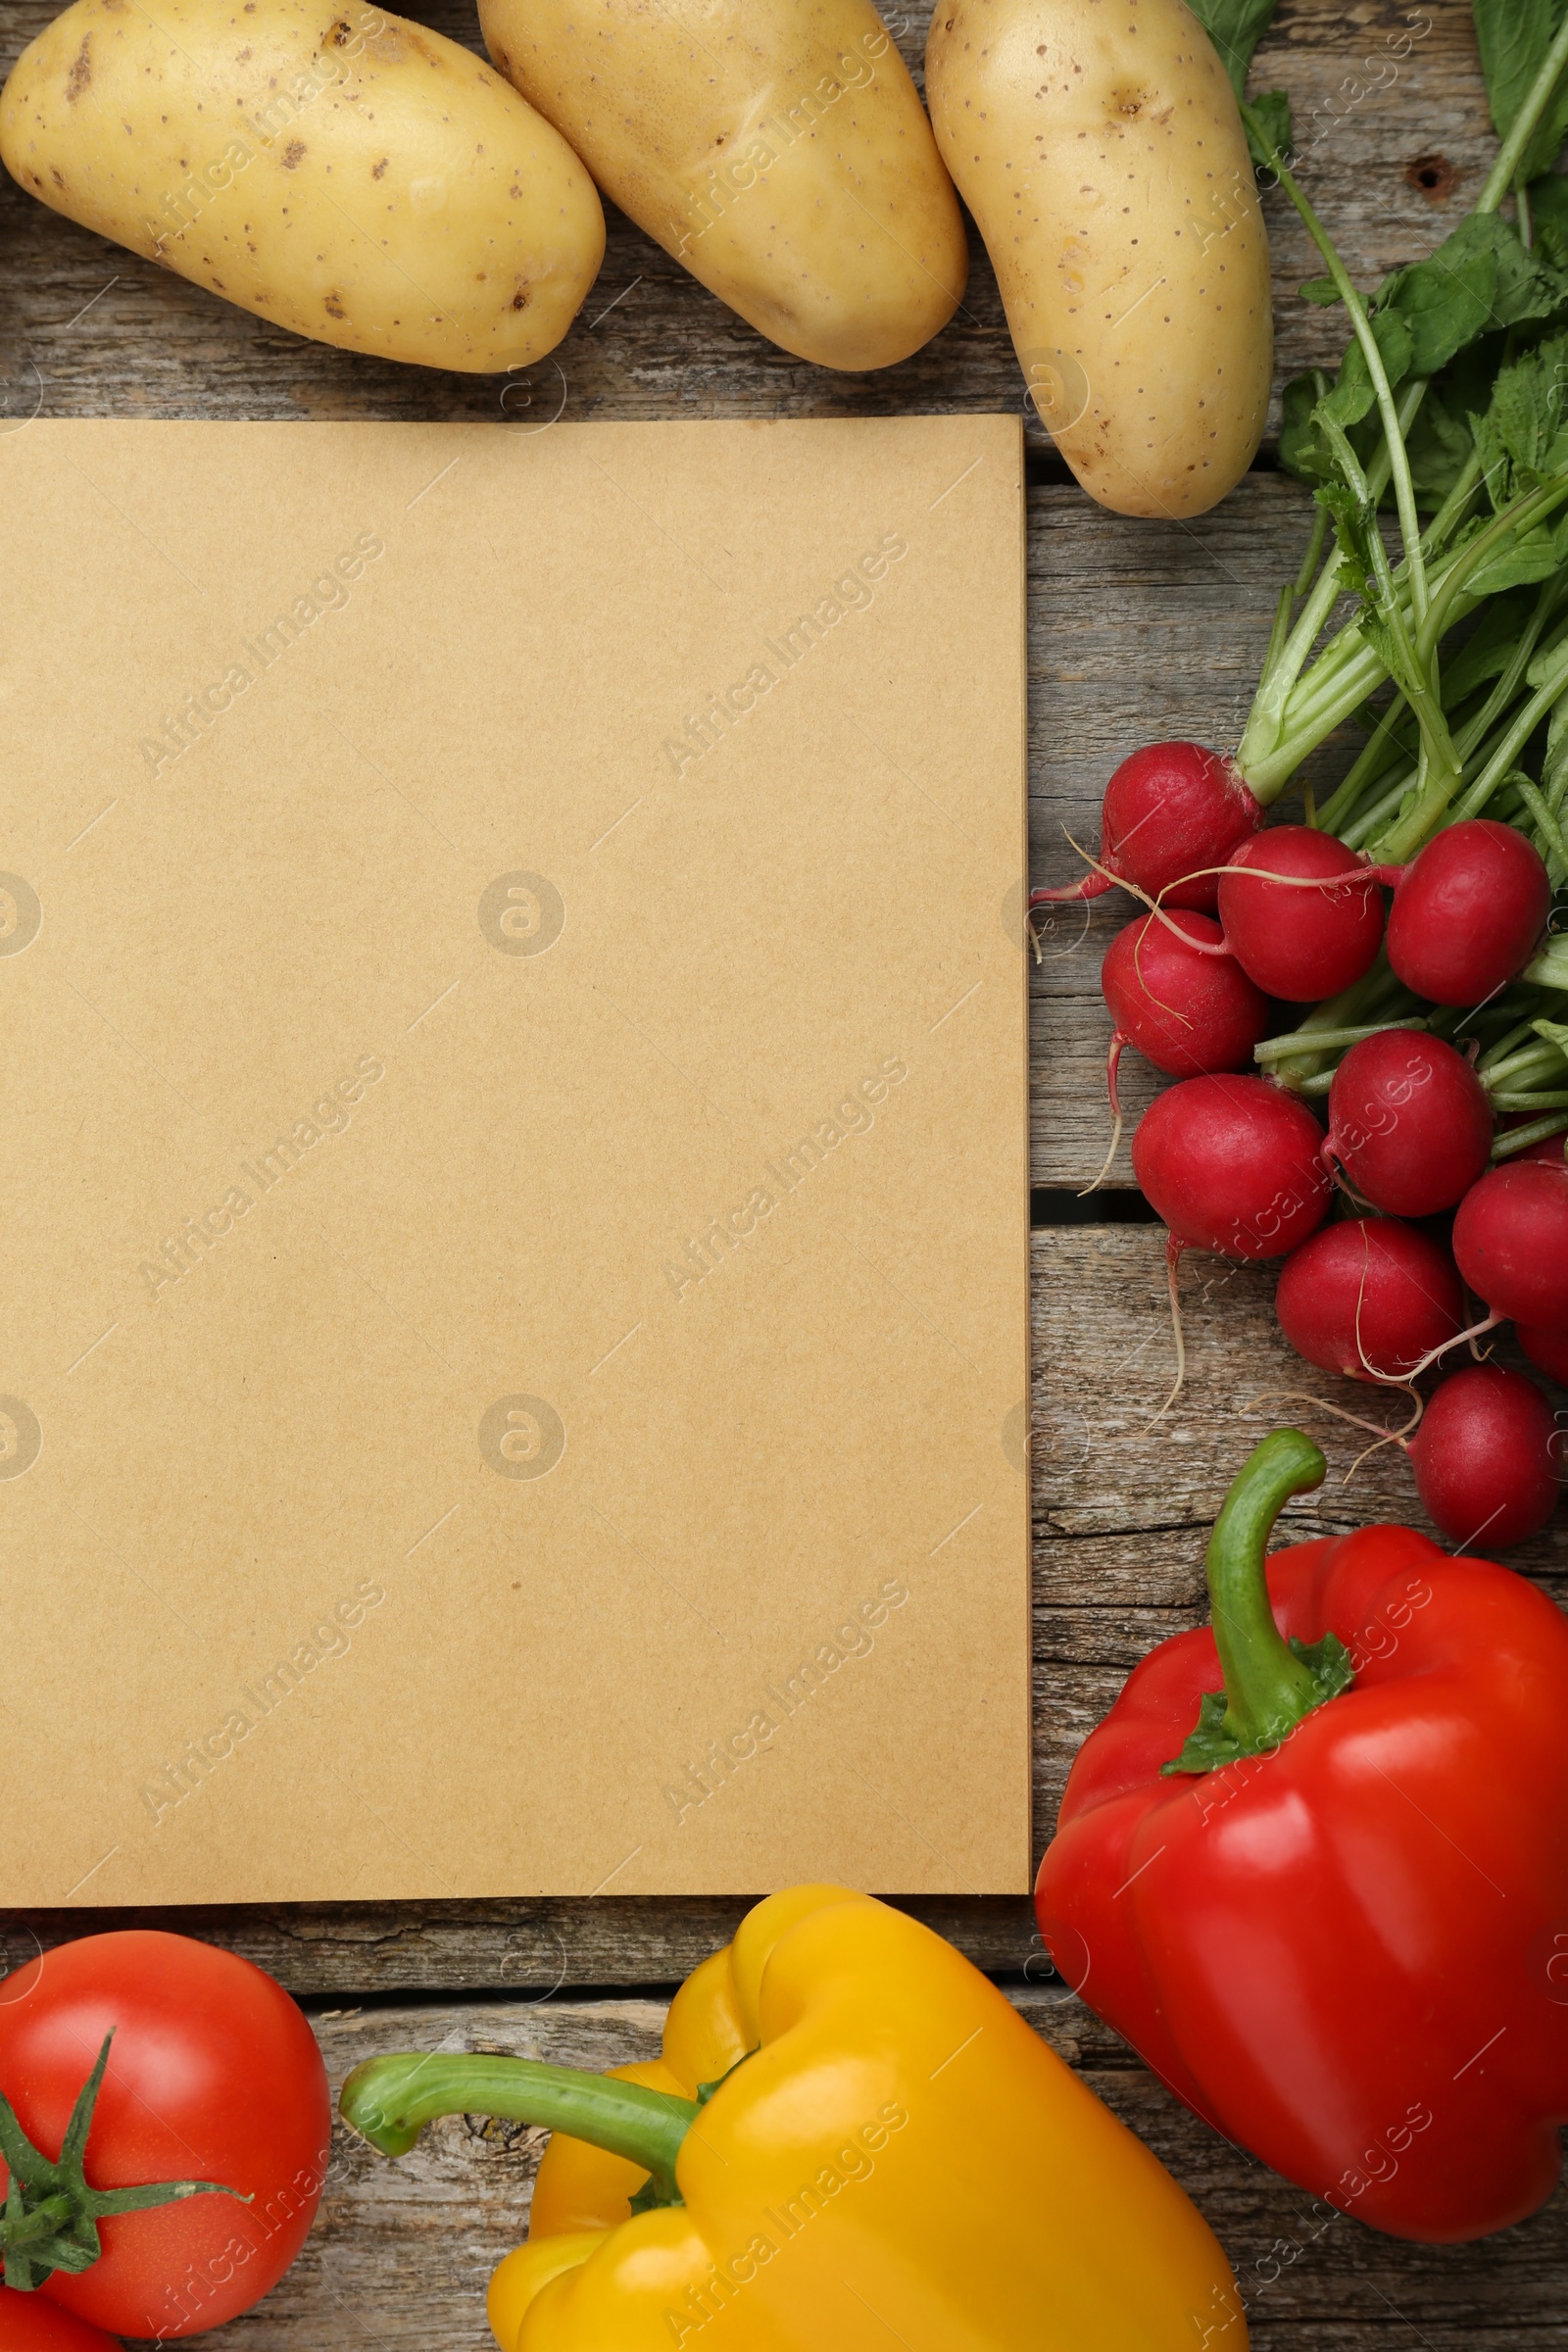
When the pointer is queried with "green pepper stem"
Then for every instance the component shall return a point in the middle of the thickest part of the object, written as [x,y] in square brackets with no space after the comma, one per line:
[1270,1684]
[388,2101]
[1267,1689]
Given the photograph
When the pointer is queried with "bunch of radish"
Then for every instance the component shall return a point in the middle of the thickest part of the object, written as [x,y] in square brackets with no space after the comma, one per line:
[1244,927]
[1364,1011]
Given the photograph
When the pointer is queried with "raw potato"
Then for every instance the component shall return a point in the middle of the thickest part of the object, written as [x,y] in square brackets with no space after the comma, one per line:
[342,172]
[1099,146]
[777,148]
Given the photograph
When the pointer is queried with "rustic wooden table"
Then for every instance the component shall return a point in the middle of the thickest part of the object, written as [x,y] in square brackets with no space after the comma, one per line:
[1138,631]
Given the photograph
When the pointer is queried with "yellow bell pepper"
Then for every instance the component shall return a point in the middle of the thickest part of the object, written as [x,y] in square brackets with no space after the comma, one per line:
[852,2141]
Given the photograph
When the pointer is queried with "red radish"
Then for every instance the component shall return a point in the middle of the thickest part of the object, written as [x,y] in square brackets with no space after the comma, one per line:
[1546,1350]
[1233,1164]
[1511,1238]
[1299,942]
[1485,1458]
[1467,912]
[1409,1125]
[1173,808]
[1371,1300]
[1185,1012]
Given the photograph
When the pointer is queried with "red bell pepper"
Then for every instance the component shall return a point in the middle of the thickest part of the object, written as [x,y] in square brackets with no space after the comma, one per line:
[1328,1901]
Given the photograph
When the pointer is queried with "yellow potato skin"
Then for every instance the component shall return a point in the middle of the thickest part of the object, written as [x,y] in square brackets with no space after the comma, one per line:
[1099,145]
[777,148]
[343,173]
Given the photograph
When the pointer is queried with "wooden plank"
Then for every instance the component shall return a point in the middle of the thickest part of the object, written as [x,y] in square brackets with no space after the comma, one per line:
[152,345]
[1122,1507]
[402,2253]
[1139,632]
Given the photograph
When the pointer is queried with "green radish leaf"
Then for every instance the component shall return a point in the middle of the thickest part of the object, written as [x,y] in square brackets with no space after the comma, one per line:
[1353,396]
[1273,110]
[1440,318]
[1514,36]
[1321,290]
[1532,558]
[1303,451]
[1549,207]
[1480,279]
[1489,649]
[1354,527]
[1437,446]
[1522,435]
[1236,27]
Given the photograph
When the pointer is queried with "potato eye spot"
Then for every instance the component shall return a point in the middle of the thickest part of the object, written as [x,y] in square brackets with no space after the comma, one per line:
[292,153]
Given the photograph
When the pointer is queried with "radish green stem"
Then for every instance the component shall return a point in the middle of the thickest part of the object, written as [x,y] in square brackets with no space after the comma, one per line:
[1542,1060]
[1379,992]
[1520,514]
[1551,968]
[1523,126]
[1452,508]
[1379,752]
[1357,835]
[1279,1049]
[1546,821]
[1314,553]
[1399,463]
[1405,838]
[1520,1139]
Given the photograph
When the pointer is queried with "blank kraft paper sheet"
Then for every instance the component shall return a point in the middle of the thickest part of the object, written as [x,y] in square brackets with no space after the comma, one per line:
[514,1256]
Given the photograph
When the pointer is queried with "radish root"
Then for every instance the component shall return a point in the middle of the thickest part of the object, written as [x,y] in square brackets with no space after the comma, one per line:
[1173,1261]
[1112,1060]
[1083,888]
[1137,967]
[1381,1434]
[1435,1354]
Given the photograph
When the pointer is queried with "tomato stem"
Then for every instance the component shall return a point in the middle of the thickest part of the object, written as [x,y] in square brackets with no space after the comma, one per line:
[51,2217]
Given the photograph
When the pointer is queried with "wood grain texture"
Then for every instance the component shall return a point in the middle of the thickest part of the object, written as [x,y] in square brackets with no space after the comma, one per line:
[87,329]
[1122,1507]
[402,2253]
[1137,631]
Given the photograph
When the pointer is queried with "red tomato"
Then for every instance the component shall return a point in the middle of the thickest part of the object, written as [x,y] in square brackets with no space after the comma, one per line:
[214,2075]
[32,2324]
